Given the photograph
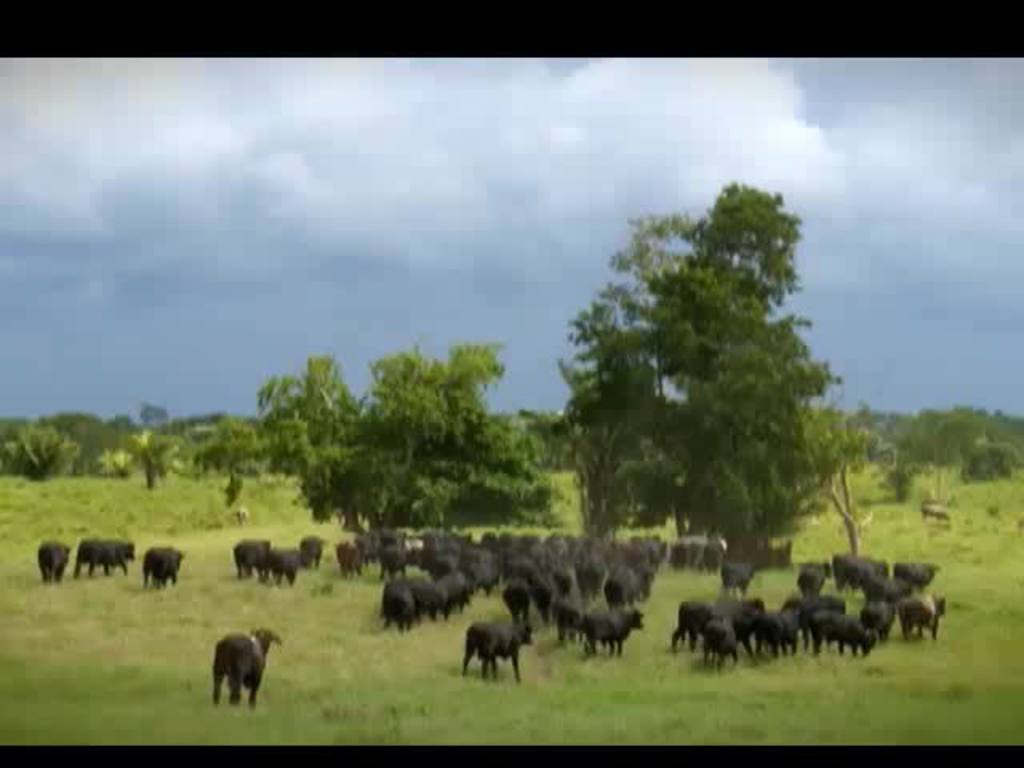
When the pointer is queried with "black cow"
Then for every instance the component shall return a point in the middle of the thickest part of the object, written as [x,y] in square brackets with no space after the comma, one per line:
[398,605]
[162,564]
[242,659]
[878,616]
[846,630]
[692,618]
[590,577]
[106,553]
[311,550]
[542,592]
[610,628]
[919,575]
[457,591]
[564,581]
[737,576]
[392,561]
[877,588]
[516,596]
[568,611]
[484,575]
[742,615]
[252,556]
[812,578]
[850,571]
[493,641]
[430,598]
[621,588]
[284,563]
[808,606]
[53,559]
[720,641]
[777,630]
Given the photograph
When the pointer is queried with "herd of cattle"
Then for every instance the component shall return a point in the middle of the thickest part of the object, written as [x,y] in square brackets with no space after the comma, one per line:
[561,579]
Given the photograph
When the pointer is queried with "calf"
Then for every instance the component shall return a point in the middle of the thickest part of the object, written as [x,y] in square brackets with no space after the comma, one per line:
[920,613]
[162,565]
[53,559]
[878,616]
[252,555]
[493,641]
[398,605]
[311,550]
[350,559]
[242,659]
[737,576]
[720,641]
[284,563]
[918,575]
[516,596]
[610,628]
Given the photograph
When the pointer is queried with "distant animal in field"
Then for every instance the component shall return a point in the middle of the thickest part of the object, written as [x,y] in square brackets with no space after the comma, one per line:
[53,558]
[242,515]
[736,576]
[920,613]
[242,659]
[284,563]
[105,553]
[934,510]
[311,550]
[252,555]
[350,559]
[492,641]
[161,564]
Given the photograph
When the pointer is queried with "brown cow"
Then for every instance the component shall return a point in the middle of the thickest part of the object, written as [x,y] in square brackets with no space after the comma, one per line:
[920,612]
[350,560]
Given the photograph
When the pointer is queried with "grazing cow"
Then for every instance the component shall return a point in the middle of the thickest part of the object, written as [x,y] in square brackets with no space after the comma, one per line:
[590,577]
[737,576]
[430,598]
[920,613]
[808,606]
[284,563]
[720,641]
[516,596]
[692,618]
[252,555]
[568,611]
[311,550]
[777,630]
[812,578]
[879,617]
[53,559]
[392,561]
[457,591]
[105,553]
[398,605]
[846,630]
[350,560]
[621,588]
[918,575]
[162,565]
[242,659]
[610,628]
[493,641]
[890,590]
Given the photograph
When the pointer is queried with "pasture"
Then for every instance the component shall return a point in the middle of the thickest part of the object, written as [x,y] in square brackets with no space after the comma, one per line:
[101,661]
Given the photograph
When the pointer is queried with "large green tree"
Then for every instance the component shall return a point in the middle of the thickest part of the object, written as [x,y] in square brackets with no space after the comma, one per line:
[234,448]
[38,452]
[690,386]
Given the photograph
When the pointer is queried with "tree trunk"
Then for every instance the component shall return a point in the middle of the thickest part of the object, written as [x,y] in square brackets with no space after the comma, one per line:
[150,478]
[844,506]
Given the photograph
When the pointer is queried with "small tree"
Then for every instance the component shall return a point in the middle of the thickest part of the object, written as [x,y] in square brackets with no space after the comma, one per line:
[990,461]
[838,449]
[899,476]
[233,447]
[155,454]
[117,463]
[39,452]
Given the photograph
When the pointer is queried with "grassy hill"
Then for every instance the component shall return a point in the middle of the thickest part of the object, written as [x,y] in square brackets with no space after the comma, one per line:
[102,661]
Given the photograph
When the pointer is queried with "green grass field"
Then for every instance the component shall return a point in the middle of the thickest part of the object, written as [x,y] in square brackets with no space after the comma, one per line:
[101,661]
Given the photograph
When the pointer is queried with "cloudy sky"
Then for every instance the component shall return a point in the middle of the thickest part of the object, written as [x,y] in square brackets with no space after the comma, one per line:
[176,231]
